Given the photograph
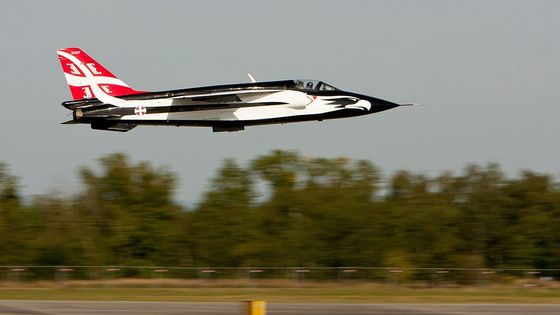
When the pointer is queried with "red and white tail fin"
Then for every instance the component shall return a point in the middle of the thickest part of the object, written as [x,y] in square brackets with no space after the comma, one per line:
[87,78]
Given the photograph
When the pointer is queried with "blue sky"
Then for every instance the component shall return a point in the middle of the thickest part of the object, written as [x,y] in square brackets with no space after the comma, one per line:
[486,74]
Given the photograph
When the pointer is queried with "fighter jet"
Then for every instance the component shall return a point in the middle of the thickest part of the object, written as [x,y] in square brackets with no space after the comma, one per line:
[107,103]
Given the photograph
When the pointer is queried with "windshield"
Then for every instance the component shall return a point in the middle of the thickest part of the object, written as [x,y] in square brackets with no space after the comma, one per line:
[313,85]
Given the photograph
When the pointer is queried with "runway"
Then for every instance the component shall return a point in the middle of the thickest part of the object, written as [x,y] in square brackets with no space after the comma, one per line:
[14,307]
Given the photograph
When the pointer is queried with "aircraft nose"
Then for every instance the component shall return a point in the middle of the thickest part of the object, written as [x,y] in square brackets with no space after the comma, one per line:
[379,105]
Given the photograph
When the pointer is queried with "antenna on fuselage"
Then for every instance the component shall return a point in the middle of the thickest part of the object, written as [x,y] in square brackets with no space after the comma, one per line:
[252,79]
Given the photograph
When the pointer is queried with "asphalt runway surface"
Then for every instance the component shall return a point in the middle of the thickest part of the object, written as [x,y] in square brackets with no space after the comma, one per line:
[167,308]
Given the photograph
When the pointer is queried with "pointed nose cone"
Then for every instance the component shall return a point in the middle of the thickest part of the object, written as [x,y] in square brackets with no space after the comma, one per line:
[379,105]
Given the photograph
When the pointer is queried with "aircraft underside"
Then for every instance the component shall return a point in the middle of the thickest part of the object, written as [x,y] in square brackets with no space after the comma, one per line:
[218,125]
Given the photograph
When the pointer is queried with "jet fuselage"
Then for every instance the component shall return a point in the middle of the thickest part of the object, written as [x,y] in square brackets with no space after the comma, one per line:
[223,107]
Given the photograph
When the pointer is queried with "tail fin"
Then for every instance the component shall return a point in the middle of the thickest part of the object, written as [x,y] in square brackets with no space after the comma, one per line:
[87,78]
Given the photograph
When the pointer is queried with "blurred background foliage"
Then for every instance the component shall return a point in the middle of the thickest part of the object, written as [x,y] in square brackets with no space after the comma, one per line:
[285,209]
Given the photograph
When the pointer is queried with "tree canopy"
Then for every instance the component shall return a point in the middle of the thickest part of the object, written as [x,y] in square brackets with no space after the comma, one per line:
[285,209]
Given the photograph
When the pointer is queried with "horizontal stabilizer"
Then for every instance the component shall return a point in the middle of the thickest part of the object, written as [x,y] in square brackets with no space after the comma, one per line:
[69,122]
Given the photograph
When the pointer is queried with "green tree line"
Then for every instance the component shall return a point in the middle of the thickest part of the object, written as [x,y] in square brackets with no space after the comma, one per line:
[285,209]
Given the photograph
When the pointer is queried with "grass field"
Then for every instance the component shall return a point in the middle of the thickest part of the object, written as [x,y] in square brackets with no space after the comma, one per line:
[227,292]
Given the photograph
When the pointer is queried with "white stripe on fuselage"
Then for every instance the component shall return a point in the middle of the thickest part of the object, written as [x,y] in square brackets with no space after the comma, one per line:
[297,106]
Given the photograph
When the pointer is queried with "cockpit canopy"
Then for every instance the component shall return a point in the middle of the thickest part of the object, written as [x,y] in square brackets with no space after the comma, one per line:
[313,85]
